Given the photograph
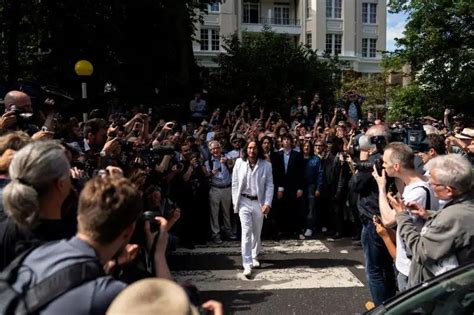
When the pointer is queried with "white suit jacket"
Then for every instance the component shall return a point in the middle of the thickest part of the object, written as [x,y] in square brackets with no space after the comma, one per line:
[265,182]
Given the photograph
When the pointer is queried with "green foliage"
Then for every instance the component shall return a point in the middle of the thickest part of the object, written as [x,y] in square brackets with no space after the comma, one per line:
[138,45]
[409,101]
[273,69]
[438,44]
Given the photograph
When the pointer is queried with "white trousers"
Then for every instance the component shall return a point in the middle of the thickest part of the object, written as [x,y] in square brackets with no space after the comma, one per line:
[251,220]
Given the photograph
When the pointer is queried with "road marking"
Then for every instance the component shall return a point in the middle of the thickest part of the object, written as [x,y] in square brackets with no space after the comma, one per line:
[268,247]
[359,267]
[272,279]
[344,251]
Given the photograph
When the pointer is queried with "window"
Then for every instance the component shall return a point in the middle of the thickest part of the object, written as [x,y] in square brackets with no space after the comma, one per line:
[210,39]
[251,12]
[333,9]
[369,13]
[369,47]
[282,15]
[308,8]
[309,40]
[334,44]
[214,7]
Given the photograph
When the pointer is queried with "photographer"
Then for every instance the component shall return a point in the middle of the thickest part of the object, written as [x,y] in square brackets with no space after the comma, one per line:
[352,104]
[299,112]
[18,113]
[108,210]
[378,262]
[219,194]
[398,162]
[190,181]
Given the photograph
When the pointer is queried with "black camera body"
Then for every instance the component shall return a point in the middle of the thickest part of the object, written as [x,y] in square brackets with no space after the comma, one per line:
[22,117]
[368,166]
[150,217]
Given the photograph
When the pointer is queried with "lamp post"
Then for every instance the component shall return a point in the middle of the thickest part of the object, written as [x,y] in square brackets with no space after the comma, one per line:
[84,69]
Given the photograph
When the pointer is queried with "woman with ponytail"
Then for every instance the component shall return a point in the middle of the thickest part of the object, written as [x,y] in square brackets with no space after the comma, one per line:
[40,181]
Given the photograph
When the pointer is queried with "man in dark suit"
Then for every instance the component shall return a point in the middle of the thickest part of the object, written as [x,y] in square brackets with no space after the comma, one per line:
[289,171]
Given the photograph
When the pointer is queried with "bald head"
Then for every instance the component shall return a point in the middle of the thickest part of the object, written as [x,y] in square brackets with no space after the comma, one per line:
[378,130]
[19,99]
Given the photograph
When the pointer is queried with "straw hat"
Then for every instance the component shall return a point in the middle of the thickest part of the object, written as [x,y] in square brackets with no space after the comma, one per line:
[152,296]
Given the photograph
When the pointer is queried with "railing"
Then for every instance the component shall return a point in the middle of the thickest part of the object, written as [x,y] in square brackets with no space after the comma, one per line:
[271,21]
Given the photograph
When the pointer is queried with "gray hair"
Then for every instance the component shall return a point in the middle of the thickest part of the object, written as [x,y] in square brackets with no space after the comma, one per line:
[365,144]
[33,171]
[452,170]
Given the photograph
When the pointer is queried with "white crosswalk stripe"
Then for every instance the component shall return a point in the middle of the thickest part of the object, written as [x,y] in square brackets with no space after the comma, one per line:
[267,278]
[268,247]
[271,279]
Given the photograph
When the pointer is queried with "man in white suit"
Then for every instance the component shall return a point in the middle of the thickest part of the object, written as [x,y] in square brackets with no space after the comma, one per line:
[252,194]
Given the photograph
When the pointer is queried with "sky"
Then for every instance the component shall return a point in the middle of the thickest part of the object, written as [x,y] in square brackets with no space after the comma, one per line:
[395,28]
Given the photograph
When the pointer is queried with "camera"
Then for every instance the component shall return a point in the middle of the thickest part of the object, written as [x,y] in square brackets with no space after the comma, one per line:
[163,149]
[368,166]
[150,217]
[22,116]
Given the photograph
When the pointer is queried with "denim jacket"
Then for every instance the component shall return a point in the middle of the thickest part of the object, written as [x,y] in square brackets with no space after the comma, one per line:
[313,174]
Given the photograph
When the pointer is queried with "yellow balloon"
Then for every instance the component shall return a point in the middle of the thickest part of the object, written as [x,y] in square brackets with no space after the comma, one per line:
[83,68]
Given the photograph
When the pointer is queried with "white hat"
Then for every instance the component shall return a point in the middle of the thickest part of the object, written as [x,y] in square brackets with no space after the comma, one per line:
[152,296]
[466,133]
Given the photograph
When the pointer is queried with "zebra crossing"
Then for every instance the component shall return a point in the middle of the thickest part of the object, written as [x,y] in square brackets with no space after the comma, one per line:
[273,274]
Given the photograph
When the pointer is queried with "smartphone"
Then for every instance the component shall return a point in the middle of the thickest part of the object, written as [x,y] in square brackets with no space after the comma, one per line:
[377,219]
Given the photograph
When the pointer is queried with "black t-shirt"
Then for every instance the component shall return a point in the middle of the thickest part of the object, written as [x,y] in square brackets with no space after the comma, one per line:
[15,239]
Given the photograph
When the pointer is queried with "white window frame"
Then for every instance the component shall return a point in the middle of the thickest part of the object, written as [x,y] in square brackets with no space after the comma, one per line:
[369,13]
[331,40]
[369,47]
[332,11]
[309,9]
[208,43]
[309,39]
[249,5]
[281,18]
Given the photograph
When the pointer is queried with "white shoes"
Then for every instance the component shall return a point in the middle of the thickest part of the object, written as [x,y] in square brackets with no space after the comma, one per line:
[247,272]
[255,263]
[308,233]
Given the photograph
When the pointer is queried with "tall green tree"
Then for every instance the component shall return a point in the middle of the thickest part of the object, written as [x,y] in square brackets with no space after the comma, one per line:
[438,44]
[141,46]
[272,69]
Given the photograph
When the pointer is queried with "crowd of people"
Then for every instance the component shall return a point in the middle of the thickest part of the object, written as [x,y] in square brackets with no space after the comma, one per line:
[121,188]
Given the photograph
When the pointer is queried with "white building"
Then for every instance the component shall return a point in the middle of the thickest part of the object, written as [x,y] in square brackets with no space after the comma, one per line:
[354,29]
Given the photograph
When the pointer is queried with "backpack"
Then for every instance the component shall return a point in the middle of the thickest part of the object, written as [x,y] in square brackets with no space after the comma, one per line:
[37,297]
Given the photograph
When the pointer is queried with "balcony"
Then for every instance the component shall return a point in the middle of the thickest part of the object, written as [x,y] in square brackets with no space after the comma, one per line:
[278,25]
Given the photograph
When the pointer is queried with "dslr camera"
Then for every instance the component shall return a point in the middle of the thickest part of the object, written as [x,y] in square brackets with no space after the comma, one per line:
[22,117]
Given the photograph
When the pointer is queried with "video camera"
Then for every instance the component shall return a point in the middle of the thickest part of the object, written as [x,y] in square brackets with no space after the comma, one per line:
[410,132]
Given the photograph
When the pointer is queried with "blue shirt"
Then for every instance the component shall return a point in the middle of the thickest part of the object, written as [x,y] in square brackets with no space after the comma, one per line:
[286,159]
[222,178]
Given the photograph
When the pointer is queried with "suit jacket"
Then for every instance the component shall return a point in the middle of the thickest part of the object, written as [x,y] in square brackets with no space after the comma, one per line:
[293,179]
[265,183]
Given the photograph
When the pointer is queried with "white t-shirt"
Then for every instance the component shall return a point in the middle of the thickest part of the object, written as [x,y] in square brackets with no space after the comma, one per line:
[413,192]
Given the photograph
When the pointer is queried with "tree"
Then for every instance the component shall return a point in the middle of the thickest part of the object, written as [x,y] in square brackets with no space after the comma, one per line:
[43,39]
[438,44]
[272,69]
